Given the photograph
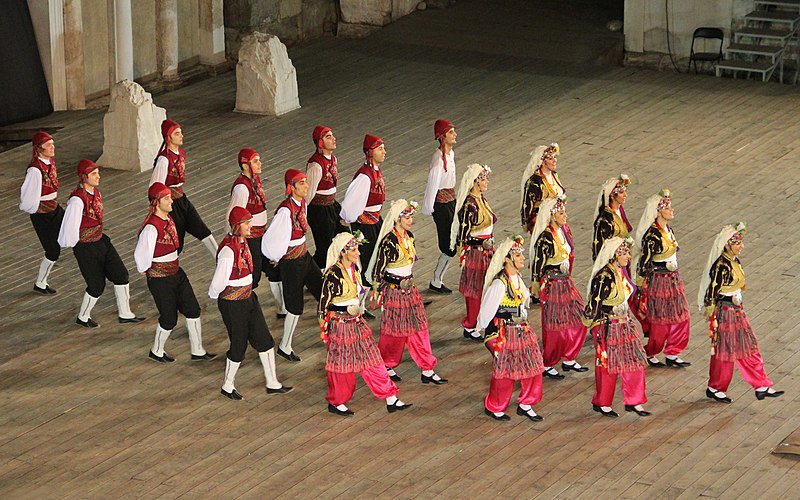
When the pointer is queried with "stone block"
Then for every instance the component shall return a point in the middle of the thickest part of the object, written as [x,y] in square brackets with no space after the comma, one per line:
[371,12]
[290,8]
[316,16]
[402,8]
[266,80]
[131,129]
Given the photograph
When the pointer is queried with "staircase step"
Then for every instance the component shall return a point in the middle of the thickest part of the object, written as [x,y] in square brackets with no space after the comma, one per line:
[765,33]
[773,16]
[786,4]
[761,66]
[753,49]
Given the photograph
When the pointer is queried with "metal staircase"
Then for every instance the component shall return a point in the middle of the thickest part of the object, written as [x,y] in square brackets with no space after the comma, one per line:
[767,40]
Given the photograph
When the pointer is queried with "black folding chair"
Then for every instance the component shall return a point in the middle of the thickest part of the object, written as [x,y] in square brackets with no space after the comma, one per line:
[706,34]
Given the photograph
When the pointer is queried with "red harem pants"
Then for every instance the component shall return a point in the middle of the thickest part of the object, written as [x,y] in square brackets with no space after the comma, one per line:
[419,346]
[675,336]
[752,370]
[470,321]
[341,386]
[500,390]
[564,344]
[633,387]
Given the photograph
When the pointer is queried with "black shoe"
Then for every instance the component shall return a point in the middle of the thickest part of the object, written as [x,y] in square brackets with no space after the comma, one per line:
[166,358]
[203,357]
[234,394]
[431,380]
[294,358]
[44,291]
[135,319]
[368,315]
[554,374]
[641,413]
[523,413]
[280,390]
[656,364]
[501,418]
[717,397]
[395,377]
[393,408]
[280,315]
[676,363]
[427,302]
[535,300]
[468,335]
[89,323]
[766,394]
[609,413]
[566,368]
[443,290]
[337,411]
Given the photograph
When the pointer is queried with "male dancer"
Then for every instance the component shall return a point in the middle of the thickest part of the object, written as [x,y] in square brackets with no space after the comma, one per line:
[247,192]
[284,244]
[323,209]
[38,197]
[156,255]
[170,169]
[82,230]
[440,198]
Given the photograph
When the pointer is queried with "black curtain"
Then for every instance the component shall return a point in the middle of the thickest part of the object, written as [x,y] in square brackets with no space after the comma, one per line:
[23,88]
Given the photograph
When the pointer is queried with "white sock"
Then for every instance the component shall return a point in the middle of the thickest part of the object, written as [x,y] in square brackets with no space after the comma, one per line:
[428,373]
[195,336]
[441,267]
[673,358]
[762,389]
[230,374]
[44,271]
[211,245]
[606,408]
[160,340]
[718,393]
[289,324]
[525,407]
[268,362]
[276,287]
[391,400]
[654,359]
[123,294]
[570,363]
[86,307]
[341,407]
[392,373]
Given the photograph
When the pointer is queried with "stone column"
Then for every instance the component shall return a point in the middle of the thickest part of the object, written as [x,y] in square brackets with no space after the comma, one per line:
[123,38]
[212,32]
[48,26]
[167,39]
[73,55]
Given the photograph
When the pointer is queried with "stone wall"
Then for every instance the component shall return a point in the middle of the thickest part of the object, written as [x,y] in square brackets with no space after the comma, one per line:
[646,23]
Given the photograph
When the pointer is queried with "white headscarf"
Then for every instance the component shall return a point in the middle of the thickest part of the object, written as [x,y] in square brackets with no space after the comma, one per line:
[716,250]
[607,253]
[605,192]
[388,224]
[648,216]
[497,262]
[467,180]
[542,221]
[534,163]
[334,251]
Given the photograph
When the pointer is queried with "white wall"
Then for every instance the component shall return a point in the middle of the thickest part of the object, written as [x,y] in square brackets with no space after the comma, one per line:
[646,22]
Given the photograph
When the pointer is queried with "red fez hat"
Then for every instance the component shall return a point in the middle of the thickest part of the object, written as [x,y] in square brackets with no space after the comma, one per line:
[157,191]
[318,134]
[371,142]
[40,138]
[290,177]
[237,216]
[247,154]
[167,127]
[441,127]
[85,167]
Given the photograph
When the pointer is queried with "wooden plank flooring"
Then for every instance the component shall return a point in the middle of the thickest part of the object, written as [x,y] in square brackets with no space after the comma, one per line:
[86,414]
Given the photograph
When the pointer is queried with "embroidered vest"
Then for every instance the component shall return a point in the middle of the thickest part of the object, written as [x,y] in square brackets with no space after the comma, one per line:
[92,220]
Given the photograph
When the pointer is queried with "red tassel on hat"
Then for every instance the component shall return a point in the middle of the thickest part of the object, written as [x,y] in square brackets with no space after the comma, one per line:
[246,155]
[290,177]
[318,134]
[371,142]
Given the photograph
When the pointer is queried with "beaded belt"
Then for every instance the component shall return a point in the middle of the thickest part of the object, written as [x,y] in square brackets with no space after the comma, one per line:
[324,200]
[90,234]
[445,195]
[237,292]
[163,269]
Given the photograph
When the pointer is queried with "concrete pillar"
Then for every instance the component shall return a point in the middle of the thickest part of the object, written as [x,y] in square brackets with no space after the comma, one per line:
[123,41]
[212,32]
[633,25]
[167,39]
[48,27]
[73,54]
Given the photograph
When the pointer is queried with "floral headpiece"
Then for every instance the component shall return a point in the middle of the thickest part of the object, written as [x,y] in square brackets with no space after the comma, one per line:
[409,210]
[560,204]
[551,151]
[625,247]
[622,184]
[738,236]
[666,200]
[518,247]
[485,173]
[357,240]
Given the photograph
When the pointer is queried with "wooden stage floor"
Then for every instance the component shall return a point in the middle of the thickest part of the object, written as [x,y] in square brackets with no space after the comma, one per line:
[85,414]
